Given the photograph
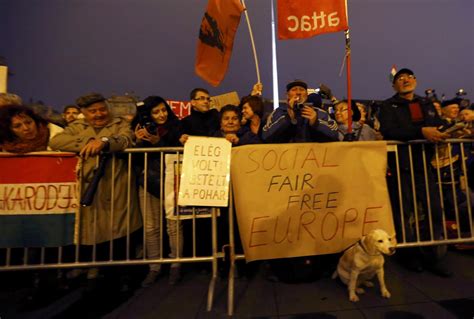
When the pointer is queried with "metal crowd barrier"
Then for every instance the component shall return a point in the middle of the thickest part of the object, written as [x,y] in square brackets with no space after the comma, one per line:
[103,254]
[412,175]
[452,227]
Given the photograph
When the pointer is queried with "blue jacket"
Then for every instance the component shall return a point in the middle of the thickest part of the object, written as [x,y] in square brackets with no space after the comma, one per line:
[280,129]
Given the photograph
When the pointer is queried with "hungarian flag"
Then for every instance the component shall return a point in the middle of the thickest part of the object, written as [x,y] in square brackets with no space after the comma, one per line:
[38,200]
[216,39]
[298,19]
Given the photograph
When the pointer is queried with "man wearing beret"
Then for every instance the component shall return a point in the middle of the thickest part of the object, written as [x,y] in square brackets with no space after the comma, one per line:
[403,117]
[99,132]
[298,121]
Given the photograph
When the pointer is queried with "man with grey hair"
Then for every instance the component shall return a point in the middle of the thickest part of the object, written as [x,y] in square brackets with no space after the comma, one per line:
[97,133]
[404,117]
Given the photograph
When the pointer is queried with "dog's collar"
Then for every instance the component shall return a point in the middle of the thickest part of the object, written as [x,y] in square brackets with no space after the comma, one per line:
[365,249]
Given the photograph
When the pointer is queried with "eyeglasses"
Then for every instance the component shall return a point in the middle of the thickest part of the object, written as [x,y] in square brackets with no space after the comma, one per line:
[203,98]
[405,77]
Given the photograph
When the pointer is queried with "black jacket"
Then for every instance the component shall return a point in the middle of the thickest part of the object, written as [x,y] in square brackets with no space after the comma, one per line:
[201,124]
[395,118]
[396,124]
[168,139]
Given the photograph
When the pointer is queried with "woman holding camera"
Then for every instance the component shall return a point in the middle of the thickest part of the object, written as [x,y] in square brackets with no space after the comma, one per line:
[156,125]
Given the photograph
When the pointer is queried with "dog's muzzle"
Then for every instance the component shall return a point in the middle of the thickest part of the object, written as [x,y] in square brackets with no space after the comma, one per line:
[391,251]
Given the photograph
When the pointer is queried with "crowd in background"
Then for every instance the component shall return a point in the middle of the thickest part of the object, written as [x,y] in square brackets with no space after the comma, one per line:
[89,129]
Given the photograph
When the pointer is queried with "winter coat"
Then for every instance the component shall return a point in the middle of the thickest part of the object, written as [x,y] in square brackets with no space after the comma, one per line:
[281,129]
[73,139]
[201,124]
[169,139]
[396,124]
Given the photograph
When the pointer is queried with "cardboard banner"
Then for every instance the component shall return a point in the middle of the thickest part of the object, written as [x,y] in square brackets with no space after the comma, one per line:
[206,172]
[299,19]
[38,200]
[309,199]
[218,101]
[3,78]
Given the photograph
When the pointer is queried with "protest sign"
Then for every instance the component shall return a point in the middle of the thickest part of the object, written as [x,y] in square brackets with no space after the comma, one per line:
[38,200]
[206,172]
[3,78]
[218,101]
[309,199]
[173,168]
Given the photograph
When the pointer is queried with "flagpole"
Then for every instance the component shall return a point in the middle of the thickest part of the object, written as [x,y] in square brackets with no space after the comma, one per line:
[349,87]
[252,41]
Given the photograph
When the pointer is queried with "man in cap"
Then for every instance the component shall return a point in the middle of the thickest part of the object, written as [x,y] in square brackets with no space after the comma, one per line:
[407,116]
[450,110]
[99,132]
[403,117]
[298,120]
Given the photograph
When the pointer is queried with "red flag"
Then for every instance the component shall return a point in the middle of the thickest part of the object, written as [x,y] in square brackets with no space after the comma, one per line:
[216,39]
[299,19]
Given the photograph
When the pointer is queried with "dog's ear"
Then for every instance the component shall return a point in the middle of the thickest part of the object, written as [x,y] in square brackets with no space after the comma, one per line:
[363,240]
[369,241]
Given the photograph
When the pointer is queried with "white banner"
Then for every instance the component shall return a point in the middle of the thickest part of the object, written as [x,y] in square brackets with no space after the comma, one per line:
[206,172]
[173,167]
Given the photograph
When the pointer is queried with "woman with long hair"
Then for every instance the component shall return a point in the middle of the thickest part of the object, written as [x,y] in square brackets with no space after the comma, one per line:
[156,125]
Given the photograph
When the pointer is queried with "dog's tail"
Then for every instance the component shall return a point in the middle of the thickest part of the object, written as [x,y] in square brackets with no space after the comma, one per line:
[334,275]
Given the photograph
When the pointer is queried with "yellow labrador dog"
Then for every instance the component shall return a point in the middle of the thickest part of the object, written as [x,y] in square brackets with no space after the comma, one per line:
[362,261]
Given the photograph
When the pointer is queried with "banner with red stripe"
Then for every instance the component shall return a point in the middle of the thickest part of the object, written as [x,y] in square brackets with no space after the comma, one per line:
[38,199]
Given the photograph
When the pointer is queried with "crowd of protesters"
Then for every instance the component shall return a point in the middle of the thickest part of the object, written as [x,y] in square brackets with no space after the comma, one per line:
[90,130]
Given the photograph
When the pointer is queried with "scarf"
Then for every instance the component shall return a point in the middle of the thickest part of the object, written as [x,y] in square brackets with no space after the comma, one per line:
[39,143]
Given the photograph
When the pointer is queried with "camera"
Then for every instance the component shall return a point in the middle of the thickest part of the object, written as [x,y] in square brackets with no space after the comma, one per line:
[460,93]
[298,107]
[431,93]
[463,101]
[145,120]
